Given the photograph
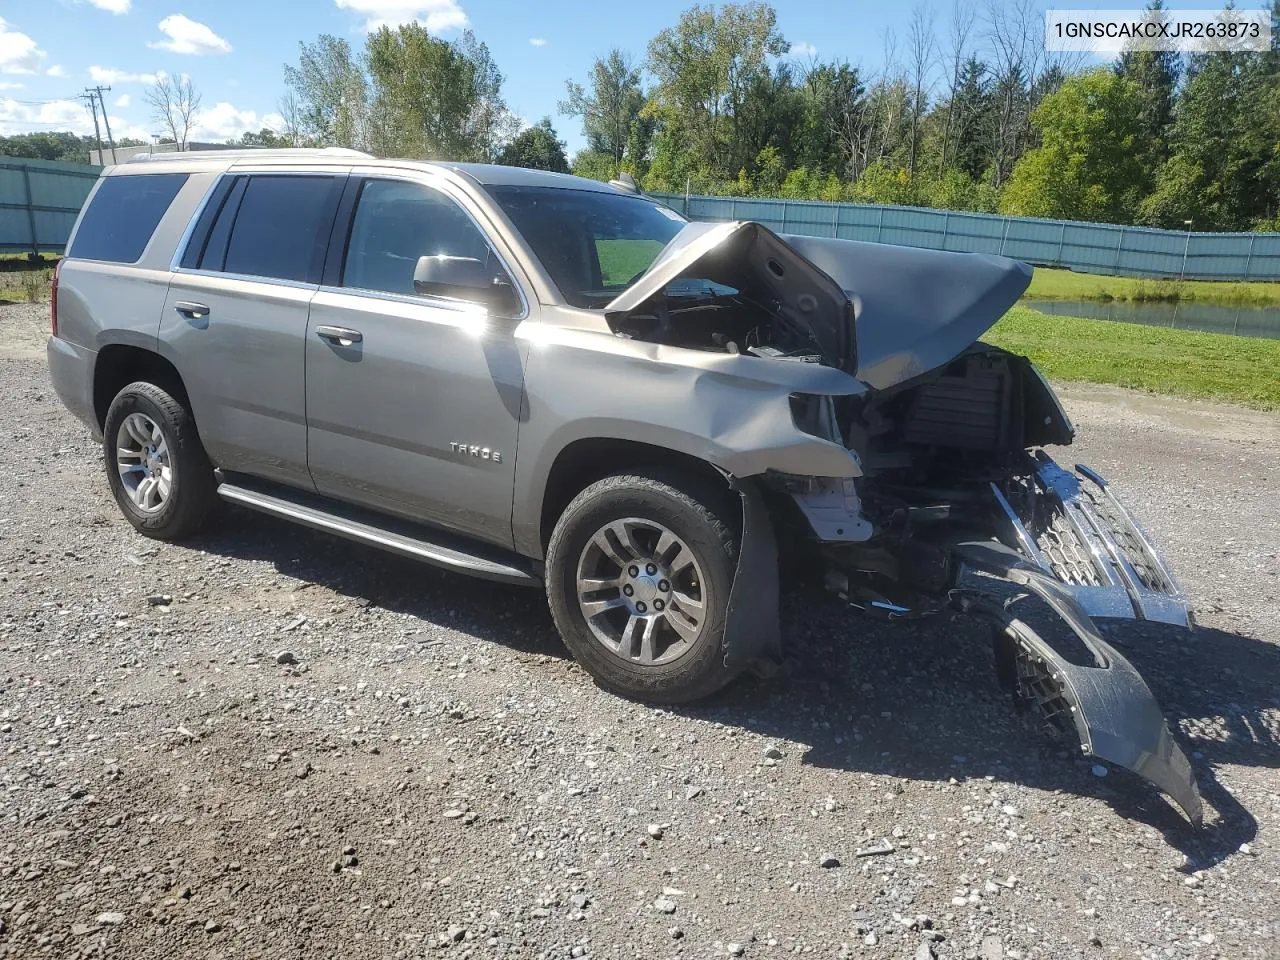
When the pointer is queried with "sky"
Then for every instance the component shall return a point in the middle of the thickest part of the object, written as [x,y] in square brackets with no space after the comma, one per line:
[234,50]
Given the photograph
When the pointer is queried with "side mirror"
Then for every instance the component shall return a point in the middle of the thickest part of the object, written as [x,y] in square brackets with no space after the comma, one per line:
[464,278]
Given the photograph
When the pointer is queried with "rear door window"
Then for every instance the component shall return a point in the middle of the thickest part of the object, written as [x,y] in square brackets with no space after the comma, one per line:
[272,226]
[122,216]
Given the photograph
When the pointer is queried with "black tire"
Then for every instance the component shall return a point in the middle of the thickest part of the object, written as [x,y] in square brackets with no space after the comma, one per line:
[192,497]
[707,518]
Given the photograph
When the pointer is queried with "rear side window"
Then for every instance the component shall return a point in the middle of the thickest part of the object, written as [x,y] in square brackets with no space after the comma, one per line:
[273,226]
[122,216]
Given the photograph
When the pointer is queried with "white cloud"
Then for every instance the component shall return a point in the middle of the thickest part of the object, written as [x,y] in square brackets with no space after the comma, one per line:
[189,36]
[122,101]
[538,41]
[435,15]
[18,117]
[60,115]
[122,129]
[57,70]
[803,50]
[109,76]
[18,52]
[11,85]
[225,121]
[112,6]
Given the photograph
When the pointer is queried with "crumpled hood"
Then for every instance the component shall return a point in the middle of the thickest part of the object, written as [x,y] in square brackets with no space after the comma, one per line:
[915,309]
[751,258]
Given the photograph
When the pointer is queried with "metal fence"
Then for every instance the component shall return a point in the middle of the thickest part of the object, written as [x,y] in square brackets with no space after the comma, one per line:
[39,200]
[1088,247]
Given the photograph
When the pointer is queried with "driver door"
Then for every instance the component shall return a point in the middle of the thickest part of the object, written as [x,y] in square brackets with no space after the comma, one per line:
[413,402]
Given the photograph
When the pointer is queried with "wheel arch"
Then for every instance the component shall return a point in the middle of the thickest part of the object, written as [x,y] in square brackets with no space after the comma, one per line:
[119,364]
[582,462]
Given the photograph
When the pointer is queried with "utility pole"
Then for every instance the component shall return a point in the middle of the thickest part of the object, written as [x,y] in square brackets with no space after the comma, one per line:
[107,123]
[93,106]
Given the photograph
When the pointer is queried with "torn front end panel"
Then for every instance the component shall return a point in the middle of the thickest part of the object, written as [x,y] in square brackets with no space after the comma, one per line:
[1083,684]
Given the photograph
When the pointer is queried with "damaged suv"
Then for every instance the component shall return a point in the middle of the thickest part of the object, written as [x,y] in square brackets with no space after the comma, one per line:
[559,383]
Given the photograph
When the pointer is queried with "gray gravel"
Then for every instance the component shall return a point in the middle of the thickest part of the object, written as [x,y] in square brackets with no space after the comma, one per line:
[268,743]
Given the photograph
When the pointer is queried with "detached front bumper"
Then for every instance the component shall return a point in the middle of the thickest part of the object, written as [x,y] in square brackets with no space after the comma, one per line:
[1083,556]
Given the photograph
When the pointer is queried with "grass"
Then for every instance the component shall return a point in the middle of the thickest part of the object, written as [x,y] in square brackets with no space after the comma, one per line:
[26,286]
[1049,284]
[1211,366]
[620,260]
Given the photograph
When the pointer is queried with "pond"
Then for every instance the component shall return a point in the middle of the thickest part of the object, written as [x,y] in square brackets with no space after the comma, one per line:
[1208,317]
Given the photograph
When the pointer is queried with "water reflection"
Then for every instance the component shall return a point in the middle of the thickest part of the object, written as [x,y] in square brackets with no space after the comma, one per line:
[1207,317]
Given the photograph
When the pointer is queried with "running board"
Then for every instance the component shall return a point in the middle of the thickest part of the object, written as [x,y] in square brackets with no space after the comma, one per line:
[386,533]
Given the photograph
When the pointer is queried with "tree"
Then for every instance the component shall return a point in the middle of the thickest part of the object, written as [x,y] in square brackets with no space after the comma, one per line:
[433,99]
[48,146]
[1156,73]
[266,137]
[291,112]
[962,18]
[536,147]
[330,93]
[609,110]
[971,111]
[174,104]
[1088,166]
[705,66]
[1222,169]
[920,45]
[832,102]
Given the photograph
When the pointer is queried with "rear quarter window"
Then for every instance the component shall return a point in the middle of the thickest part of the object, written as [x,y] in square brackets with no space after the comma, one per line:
[122,216]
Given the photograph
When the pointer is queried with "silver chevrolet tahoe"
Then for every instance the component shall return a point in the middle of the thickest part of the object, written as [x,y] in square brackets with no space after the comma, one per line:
[553,382]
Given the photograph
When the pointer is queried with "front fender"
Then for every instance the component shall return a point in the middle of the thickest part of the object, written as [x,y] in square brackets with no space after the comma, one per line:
[730,411]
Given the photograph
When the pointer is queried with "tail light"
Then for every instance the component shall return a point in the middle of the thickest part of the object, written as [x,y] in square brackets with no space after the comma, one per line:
[53,299]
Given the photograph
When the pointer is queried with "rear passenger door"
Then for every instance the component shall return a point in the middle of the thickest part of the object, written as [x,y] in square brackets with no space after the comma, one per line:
[235,319]
[413,402]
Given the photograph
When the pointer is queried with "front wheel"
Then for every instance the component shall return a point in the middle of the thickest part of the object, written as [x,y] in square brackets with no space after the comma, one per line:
[639,570]
[156,465]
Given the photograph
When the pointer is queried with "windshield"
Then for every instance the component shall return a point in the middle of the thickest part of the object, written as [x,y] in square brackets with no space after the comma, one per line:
[593,244]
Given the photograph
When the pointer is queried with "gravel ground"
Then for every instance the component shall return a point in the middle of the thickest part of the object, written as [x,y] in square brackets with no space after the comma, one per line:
[269,743]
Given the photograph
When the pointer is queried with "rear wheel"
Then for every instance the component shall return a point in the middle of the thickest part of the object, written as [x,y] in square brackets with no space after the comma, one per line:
[639,570]
[156,465]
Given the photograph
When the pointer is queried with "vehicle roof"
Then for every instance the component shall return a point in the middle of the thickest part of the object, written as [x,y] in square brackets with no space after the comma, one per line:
[486,174]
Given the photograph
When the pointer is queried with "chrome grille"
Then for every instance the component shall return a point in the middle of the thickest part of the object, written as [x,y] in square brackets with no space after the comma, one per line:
[1126,539]
[1067,554]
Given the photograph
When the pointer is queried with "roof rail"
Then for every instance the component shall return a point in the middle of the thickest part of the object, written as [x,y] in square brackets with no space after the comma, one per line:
[255,153]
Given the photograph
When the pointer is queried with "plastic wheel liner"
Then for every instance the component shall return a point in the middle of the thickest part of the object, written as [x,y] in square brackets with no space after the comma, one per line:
[1110,706]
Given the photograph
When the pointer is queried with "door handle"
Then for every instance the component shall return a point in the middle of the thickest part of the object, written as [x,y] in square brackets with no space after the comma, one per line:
[191,309]
[342,336]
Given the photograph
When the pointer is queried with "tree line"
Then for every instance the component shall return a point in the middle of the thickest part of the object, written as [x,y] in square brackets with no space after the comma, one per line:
[972,114]
[978,119]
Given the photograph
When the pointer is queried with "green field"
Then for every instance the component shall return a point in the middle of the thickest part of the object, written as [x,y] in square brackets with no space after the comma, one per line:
[1183,363]
[1048,284]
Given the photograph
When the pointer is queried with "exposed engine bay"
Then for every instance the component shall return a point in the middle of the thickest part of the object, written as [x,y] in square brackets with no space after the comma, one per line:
[704,316]
[956,484]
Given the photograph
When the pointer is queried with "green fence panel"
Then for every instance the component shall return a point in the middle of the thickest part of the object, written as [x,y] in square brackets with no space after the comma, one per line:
[1088,247]
[39,202]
